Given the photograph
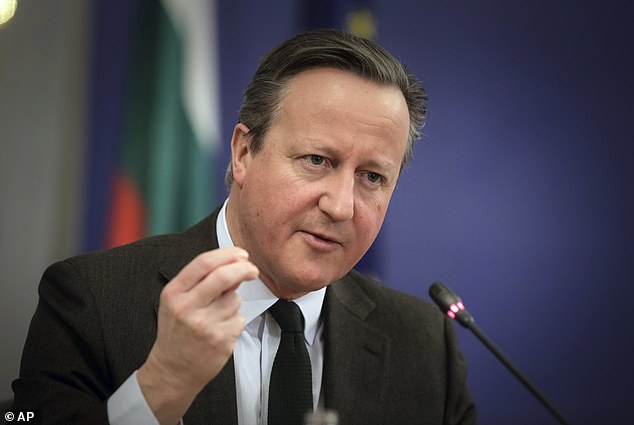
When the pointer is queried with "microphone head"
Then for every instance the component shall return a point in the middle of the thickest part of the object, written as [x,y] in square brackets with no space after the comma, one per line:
[450,303]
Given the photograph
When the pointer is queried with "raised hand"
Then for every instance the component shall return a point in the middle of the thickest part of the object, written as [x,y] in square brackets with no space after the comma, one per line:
[198,324]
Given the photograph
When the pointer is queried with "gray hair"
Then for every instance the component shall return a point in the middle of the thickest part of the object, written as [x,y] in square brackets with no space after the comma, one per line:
[325,48]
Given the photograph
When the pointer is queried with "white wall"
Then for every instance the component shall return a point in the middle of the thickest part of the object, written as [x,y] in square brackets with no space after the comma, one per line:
[43,63]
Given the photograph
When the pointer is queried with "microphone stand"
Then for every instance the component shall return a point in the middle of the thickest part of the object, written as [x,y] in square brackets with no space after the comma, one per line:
[514,370]
[452,305]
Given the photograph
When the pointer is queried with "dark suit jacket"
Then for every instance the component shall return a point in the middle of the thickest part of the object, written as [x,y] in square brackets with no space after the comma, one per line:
[390,358]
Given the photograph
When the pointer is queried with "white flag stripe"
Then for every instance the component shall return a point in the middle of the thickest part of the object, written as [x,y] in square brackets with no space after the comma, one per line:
[195,21]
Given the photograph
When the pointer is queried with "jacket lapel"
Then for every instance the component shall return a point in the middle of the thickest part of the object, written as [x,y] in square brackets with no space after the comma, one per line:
[195,240]
[356,355]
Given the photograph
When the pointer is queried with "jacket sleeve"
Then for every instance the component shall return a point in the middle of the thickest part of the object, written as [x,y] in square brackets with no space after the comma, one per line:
[64,373]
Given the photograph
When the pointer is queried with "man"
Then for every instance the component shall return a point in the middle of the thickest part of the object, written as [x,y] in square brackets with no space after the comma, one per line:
[176,327]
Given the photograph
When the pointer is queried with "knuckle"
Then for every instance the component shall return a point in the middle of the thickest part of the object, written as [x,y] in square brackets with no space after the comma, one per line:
[166,300]
[216,339]
[167,293]
[199,326]
[181,309]
[224,276]
[206,259]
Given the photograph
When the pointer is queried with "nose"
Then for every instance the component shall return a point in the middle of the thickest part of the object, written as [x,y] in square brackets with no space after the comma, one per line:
[337,199]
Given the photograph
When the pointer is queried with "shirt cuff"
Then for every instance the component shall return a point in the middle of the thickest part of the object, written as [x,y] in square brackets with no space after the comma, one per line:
[127,406]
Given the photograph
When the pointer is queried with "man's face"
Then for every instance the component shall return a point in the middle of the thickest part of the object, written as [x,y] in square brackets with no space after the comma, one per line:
[309,204]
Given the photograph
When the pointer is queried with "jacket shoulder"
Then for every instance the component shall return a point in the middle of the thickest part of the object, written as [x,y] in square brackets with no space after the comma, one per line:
[148,256]
[384,306]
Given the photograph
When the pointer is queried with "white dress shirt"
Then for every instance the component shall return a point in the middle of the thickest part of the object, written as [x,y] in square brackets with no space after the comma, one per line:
[253,353]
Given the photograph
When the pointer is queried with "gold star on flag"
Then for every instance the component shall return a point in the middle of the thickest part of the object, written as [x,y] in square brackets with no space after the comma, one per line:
[361,23]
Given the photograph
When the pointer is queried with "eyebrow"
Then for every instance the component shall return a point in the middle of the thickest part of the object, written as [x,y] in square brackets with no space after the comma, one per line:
[383,166]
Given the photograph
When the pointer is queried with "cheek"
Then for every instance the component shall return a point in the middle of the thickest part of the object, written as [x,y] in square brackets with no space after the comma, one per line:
[274,179]
[368,222]
[374,207]
[278,206]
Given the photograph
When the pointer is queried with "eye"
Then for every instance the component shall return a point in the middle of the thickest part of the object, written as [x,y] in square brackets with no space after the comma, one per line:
[316,159]
[374,177]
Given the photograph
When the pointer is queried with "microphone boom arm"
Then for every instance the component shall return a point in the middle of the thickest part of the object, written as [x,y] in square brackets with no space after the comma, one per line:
[452,305]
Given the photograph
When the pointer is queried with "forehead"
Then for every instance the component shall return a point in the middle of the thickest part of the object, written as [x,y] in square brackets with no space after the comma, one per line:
[319,77]
[339,108]
[342,93]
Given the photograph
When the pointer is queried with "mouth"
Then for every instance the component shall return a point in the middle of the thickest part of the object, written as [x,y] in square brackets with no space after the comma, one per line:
[321,241]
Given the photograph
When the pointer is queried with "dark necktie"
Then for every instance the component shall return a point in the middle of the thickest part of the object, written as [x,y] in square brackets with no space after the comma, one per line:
[291,388]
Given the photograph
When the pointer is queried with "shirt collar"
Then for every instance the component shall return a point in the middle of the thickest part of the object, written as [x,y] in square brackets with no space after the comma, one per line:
[256,296]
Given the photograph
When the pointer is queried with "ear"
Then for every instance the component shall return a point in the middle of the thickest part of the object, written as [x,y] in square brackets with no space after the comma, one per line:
[240,152]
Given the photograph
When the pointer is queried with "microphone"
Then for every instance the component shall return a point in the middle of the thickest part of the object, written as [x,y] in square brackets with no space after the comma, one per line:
[451,304]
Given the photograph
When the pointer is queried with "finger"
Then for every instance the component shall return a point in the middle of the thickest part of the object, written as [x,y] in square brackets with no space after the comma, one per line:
[203,264]
[223,308]
[234,326]
[211,322]
[223,279]
[231,327]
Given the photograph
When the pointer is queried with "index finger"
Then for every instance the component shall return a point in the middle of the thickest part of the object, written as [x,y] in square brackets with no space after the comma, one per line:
[205,263]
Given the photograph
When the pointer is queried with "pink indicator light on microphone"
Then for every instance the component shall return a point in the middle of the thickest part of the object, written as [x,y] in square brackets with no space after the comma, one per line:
[455,309]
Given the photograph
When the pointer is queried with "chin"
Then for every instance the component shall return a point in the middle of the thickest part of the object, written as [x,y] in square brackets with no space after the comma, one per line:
[312,281]
[302,276]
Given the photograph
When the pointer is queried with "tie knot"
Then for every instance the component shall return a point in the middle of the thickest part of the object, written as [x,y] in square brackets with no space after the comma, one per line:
[288,316]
